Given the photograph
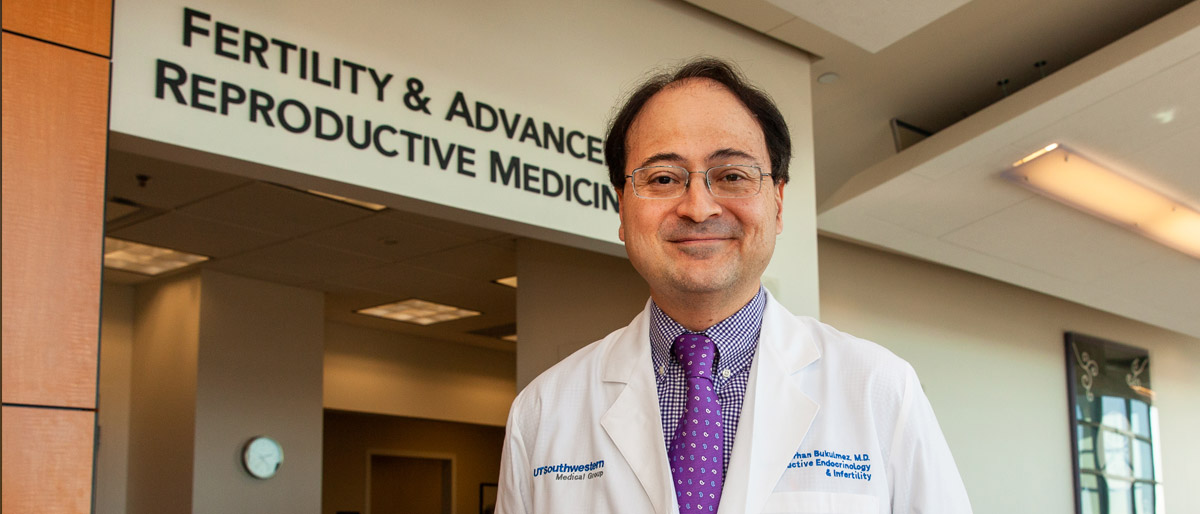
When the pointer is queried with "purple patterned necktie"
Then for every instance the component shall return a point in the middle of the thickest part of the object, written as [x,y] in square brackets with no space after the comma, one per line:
[696,456]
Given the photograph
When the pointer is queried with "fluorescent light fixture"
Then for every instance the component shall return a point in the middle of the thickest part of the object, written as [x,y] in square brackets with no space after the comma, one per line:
[507,281]
[512,338]
[419,312]
[1049,148]
[351,201]
[1065,176]
[145,259]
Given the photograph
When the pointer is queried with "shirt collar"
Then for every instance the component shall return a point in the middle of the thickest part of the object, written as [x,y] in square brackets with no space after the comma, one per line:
[736,337]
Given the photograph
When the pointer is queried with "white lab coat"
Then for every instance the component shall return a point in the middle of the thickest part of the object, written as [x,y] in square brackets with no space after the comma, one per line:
[586,435]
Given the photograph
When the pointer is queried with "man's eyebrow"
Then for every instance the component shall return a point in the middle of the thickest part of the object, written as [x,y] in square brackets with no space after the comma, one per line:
[729,153]
[719,155]
[660,158]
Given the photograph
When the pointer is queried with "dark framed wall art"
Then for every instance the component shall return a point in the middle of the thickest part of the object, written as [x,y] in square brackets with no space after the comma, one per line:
[1114,427]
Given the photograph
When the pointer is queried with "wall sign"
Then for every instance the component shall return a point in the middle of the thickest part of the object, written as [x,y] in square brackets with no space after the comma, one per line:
[1114,427]
[210,76]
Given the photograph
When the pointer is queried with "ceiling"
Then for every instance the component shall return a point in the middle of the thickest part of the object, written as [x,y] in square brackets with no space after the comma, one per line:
[358,257]
[1119,88]
[1114,70]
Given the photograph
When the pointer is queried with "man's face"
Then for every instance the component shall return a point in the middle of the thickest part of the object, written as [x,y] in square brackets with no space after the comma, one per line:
[699,243]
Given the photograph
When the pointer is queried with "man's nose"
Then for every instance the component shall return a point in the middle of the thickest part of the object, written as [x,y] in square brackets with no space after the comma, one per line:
[697,202]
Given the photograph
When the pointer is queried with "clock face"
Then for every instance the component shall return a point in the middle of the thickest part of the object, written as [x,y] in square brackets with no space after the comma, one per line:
[262,457]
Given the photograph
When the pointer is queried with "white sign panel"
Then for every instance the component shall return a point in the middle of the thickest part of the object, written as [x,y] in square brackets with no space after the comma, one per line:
[352,105]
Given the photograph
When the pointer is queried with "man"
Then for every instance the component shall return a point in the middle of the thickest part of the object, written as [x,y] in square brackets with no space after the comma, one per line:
[715,398]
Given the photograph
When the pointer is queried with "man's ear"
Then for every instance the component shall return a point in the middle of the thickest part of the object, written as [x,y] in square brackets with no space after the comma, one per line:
[779,208]
[621,213]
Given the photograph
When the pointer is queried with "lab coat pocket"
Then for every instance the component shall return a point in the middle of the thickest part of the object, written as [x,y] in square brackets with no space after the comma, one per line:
[814,502]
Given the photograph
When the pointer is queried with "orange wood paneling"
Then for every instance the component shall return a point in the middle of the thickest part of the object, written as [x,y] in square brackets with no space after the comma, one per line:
[82,24]
[47,460]
[55,128]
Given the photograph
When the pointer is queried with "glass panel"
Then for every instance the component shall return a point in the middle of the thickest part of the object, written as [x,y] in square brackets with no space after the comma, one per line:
[1143,498]
[1115,414]
[1120,496]
[1140,414]
[1116,453]
[1089,493]
[1087,447]
[1143,462]
[1087,410]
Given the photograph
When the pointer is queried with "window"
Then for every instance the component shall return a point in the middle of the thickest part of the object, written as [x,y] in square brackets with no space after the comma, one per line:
[1114,427]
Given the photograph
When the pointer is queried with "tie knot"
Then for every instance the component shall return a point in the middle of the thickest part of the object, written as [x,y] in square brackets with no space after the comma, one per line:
[696,353]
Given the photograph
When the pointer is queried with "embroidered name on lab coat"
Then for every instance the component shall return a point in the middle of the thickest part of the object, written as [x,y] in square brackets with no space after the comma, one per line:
[852,466]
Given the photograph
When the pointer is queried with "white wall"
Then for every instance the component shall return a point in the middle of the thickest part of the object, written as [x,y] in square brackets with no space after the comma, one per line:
[369,370]
[259,373]
[112,413]
[215,360]
[990,356]
[162,417]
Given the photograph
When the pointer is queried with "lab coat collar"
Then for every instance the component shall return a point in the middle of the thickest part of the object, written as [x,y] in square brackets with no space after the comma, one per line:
[633,421]
[776,414]
[770,429]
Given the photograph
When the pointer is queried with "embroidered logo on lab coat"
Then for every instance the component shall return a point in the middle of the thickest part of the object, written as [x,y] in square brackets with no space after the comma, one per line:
[564,471]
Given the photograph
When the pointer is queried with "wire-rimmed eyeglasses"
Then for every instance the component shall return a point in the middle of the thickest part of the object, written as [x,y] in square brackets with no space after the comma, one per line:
[724,181]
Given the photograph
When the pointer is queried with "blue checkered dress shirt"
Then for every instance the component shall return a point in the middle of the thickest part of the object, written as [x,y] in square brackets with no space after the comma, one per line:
[736,338]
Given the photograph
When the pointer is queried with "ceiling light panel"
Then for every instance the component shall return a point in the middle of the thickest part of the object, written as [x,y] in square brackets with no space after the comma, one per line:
[419,312]
[1069,178]
[145,259]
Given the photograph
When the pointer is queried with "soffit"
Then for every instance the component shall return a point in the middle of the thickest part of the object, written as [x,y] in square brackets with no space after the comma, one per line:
[1131,107]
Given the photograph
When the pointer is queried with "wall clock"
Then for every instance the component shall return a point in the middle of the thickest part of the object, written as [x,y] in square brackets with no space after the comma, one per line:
[262,456]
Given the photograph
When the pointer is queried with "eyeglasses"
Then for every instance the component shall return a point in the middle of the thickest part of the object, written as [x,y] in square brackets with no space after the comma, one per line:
[724,181]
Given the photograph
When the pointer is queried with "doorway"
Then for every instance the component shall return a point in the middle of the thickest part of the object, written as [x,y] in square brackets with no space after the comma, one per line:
[405,484]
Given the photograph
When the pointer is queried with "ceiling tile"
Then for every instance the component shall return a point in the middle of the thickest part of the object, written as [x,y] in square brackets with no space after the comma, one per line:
[297,262]
[275,209]
[386,237]
[479,261]
[1043,235]
[169,184]
[936,207]
[195,235]
[1173,165]
[400,281]
[437,224]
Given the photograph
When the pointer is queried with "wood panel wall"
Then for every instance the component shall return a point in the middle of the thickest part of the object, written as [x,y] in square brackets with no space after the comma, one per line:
[55,111]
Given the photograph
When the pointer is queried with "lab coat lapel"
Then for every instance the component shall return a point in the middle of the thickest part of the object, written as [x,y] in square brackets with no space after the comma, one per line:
[776,414]
[633,421]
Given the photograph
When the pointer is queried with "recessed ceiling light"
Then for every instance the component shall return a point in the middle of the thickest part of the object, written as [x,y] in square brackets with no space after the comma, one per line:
[512,338]
[507,281]
[419,312]
[1069,178]
[145,259]
[351,201]
[828,78]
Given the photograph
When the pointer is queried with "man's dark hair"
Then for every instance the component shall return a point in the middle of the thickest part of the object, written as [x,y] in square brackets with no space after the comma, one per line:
[774,128]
